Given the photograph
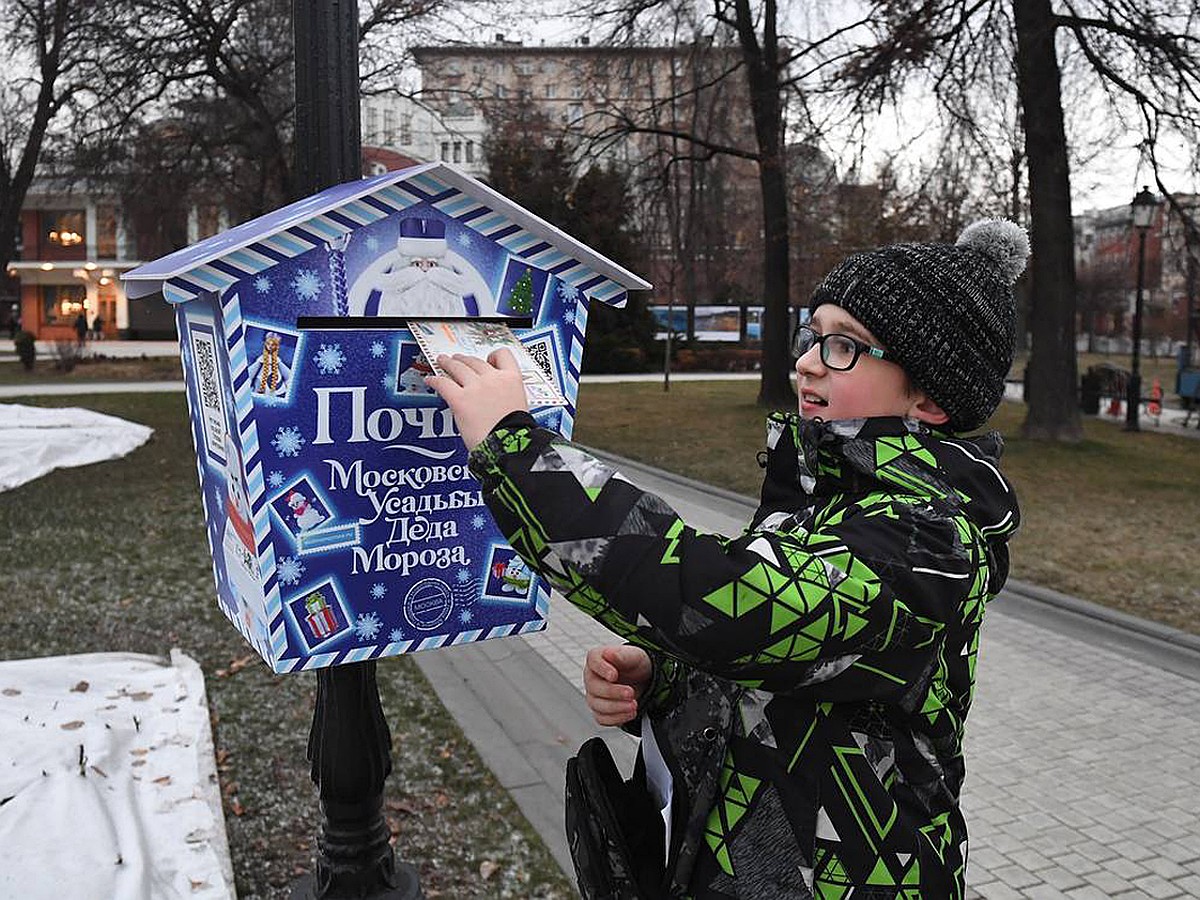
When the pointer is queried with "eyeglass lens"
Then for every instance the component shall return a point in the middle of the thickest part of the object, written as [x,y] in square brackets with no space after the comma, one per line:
[837,350]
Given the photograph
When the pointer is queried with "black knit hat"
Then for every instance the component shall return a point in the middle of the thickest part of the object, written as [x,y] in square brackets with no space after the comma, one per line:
[944,312]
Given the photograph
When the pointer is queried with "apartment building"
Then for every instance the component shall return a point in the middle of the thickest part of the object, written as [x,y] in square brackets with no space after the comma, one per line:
[699,214]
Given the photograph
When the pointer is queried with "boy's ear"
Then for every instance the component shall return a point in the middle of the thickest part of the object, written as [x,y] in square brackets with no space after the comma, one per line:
[926,410]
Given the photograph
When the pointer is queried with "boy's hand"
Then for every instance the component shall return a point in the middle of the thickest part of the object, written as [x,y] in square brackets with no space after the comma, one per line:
[614,678]
[479,393]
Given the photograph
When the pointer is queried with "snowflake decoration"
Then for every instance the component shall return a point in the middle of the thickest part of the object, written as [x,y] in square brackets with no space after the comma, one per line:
[464,239]
[275,479]
[372,243]
[330,359]
[377,349]
[386,382]
[378,590]
[462,576]
[478,521]
[307,284]
[262,284]
[367,626]
[290,570]
[288,441]
[568,292]
[395,635]
[465,616]
[568,316]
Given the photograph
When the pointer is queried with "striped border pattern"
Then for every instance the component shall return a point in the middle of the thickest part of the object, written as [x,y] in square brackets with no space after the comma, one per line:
[219,274]
[252,465]
[433,642]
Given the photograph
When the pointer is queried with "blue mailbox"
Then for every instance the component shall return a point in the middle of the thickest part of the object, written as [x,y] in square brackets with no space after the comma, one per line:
[341,517]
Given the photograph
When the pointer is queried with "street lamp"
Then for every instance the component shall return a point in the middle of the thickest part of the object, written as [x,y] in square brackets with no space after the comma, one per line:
[1144,206]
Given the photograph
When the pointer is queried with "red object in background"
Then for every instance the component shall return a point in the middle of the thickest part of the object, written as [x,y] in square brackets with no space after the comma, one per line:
[1154,407]
[1114,406]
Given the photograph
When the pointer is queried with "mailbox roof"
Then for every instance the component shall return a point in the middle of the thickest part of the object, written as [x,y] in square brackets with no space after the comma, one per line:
[218,261]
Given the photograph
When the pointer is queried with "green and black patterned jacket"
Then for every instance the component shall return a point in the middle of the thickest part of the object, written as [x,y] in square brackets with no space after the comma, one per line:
[839,635]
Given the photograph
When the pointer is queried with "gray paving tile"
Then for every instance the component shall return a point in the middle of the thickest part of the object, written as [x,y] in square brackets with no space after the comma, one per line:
[1062,796]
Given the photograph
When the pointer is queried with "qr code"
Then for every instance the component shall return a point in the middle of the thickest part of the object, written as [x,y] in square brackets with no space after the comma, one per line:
[206,375]
[208,386]
[540,351]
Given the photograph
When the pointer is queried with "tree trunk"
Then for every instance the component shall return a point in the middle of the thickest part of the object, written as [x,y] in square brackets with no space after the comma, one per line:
[1053,412]
[763,71]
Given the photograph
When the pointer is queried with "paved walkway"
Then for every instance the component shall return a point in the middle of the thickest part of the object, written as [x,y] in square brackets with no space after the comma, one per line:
[1082,778]
[1081,749]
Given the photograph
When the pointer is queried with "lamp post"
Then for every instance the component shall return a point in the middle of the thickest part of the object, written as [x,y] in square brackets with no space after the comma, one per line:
[349,744]
[1144,206]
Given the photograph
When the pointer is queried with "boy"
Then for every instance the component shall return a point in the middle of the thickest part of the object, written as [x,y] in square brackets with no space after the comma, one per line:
[806,683]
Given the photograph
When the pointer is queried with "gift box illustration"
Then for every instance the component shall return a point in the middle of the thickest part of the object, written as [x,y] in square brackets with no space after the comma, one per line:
[343,522]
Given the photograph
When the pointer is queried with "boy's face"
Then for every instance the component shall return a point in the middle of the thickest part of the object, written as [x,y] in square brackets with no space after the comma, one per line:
[872,387]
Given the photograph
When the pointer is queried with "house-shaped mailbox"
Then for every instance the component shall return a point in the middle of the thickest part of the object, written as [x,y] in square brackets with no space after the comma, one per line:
[342,519]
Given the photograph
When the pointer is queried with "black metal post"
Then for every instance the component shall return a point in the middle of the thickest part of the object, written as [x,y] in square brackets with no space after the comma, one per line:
[1133,399]
[349,744]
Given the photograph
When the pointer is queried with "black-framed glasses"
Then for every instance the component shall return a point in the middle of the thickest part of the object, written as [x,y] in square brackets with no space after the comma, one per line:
[838,351]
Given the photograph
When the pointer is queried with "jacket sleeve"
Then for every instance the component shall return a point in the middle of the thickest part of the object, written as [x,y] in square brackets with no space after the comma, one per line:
[772,610]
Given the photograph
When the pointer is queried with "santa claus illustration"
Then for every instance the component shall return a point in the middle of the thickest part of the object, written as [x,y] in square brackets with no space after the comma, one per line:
[422,281]
[412,379]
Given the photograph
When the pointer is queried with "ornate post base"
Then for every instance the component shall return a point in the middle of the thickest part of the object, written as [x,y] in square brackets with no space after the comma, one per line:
[350,750]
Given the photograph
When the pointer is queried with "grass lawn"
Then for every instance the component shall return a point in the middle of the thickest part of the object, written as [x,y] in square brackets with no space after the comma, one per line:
[113,557]
[89,369]
[1115,519]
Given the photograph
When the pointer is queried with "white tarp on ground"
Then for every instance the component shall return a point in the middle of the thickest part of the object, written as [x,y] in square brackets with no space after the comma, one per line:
[35,440]
[108,786]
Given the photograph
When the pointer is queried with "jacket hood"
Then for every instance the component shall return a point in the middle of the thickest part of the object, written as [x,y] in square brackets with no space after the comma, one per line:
[906,456]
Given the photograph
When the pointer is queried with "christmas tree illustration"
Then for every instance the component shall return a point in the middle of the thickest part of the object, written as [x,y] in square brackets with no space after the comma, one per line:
[521,299]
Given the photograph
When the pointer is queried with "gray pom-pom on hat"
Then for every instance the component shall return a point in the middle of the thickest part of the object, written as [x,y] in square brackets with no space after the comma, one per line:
[944,313]
[1003,241]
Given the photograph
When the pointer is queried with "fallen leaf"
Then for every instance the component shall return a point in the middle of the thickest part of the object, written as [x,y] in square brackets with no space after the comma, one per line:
[139,751]
[10,692]
[441,801]
[71,726]
[230,789]
[165,779]
[487,869]
[196,885]
[80,688]
[138,762]
[235,806]
[222,756]
[401,806]
[140,695]
[99,771]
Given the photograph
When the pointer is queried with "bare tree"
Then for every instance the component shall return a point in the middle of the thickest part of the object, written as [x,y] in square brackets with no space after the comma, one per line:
[762,62]
[61,66]
[1143,56]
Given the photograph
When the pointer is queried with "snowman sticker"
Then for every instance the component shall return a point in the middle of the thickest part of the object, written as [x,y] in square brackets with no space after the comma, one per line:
[237,503]
[508,576]
[304,513]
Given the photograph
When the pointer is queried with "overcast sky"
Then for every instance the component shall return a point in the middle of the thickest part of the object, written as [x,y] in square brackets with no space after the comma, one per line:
[1110,177]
